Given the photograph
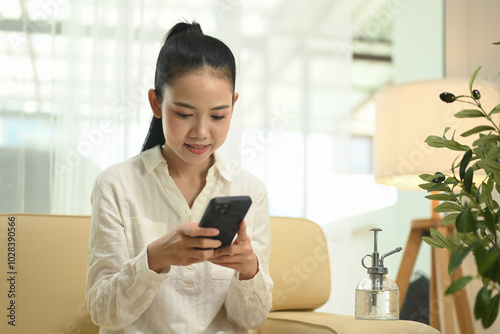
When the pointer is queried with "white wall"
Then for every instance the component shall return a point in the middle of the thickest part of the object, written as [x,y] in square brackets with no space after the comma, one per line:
[471,28]
[418,41]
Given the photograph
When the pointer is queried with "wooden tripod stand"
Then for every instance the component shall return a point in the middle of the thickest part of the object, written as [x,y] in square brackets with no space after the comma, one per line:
[441,306]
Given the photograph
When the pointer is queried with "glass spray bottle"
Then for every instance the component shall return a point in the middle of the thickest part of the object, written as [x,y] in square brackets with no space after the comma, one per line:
[377,297]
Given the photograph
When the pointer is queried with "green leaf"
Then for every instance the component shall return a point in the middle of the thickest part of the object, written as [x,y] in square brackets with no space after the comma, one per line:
[468,180]
[483,139]
[483,299]
[440,239]
[464,163]
[466,222]
[496,177]
[438,142]
[486,196]
[448,207]
[478,196]
[455,146]
[477,129]
[469,113]
[435,141]
[489,166]
[495,110]
[435,178]
[485,263]
[431,242]
[492,312]
[440,197]
[451,180]
[426,177]
[472,78]
[489,220]
[450,218]
[452,242]
[458,284]
[456,258]
[426,186]
[439,187]
[492,152]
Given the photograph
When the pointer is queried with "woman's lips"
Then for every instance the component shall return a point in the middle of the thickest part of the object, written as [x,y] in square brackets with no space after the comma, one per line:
[197,149]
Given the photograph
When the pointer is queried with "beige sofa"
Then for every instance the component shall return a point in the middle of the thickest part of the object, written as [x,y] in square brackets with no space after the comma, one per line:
[47,264]
[44,261]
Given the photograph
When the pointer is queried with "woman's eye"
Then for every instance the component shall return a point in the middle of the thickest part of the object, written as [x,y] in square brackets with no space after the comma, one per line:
[181,115]
[218,118]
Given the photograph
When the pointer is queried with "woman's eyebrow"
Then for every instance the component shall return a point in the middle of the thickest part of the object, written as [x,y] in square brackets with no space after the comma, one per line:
[225,106]
[184,105]
[188,106]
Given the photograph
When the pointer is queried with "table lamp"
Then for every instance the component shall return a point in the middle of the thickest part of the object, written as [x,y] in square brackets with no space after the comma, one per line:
[406,114]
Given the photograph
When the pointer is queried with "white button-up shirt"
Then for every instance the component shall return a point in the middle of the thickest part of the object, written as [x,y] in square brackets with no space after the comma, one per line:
[135,203]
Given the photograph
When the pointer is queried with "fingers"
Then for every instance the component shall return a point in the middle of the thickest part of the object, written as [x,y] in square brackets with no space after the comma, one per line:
[205,243]
[198,237]
[193,230]
[242,232]
[200,255]
[239,255]
[184,245]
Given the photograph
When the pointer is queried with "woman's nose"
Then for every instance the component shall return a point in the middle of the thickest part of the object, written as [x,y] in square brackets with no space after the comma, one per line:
[200,129]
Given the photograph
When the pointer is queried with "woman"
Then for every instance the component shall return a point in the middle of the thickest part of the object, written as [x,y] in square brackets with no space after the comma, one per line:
[151,268]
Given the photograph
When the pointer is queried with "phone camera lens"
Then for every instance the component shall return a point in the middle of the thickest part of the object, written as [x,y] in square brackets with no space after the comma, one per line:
[222,209]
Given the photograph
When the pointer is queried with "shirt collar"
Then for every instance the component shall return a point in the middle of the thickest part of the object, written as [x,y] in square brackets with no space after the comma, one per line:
[223,167]
[153,157]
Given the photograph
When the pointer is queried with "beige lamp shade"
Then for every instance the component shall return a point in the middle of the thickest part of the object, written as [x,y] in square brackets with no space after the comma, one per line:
[406,114]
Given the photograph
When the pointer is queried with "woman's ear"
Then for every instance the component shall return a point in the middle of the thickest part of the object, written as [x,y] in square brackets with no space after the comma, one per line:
[236,95]
[154,103]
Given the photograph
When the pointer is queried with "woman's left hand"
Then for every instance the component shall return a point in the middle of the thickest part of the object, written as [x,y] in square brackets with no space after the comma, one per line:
[239,255]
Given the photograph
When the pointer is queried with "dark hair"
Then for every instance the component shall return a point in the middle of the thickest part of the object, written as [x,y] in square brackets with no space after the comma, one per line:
[186,48]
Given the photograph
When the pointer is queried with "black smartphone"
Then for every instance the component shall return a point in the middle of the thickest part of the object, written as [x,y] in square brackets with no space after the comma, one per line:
[225,214]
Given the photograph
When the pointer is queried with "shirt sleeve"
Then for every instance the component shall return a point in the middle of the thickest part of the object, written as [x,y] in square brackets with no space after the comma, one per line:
[119,288]
[249,301]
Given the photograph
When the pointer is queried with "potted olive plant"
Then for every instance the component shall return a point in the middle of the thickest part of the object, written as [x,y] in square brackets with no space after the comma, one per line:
[469,203]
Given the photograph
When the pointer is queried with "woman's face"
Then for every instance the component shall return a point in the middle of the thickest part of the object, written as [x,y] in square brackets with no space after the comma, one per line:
[196,113]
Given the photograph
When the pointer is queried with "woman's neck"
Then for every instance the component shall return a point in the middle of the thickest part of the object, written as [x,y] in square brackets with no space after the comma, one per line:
[190,179]
[179,168]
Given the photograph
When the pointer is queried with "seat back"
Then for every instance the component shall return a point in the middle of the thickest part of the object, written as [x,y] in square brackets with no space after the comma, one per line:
[44,269]
[299,265]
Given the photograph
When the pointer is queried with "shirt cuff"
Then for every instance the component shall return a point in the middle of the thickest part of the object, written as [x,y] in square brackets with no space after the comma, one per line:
[147,275]
[258,285]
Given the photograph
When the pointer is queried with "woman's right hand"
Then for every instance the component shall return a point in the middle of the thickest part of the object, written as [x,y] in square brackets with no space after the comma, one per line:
[182,246]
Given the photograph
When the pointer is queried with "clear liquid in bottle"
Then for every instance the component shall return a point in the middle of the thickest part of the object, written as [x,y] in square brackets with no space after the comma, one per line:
[377,304]
[377,297]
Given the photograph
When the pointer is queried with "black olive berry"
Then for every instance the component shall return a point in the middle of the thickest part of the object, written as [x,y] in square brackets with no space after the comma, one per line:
[447,97]
[438,177]
[476,94]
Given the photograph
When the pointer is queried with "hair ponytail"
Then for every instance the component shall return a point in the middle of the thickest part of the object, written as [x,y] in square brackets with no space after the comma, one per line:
[155,135]
[186,48]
